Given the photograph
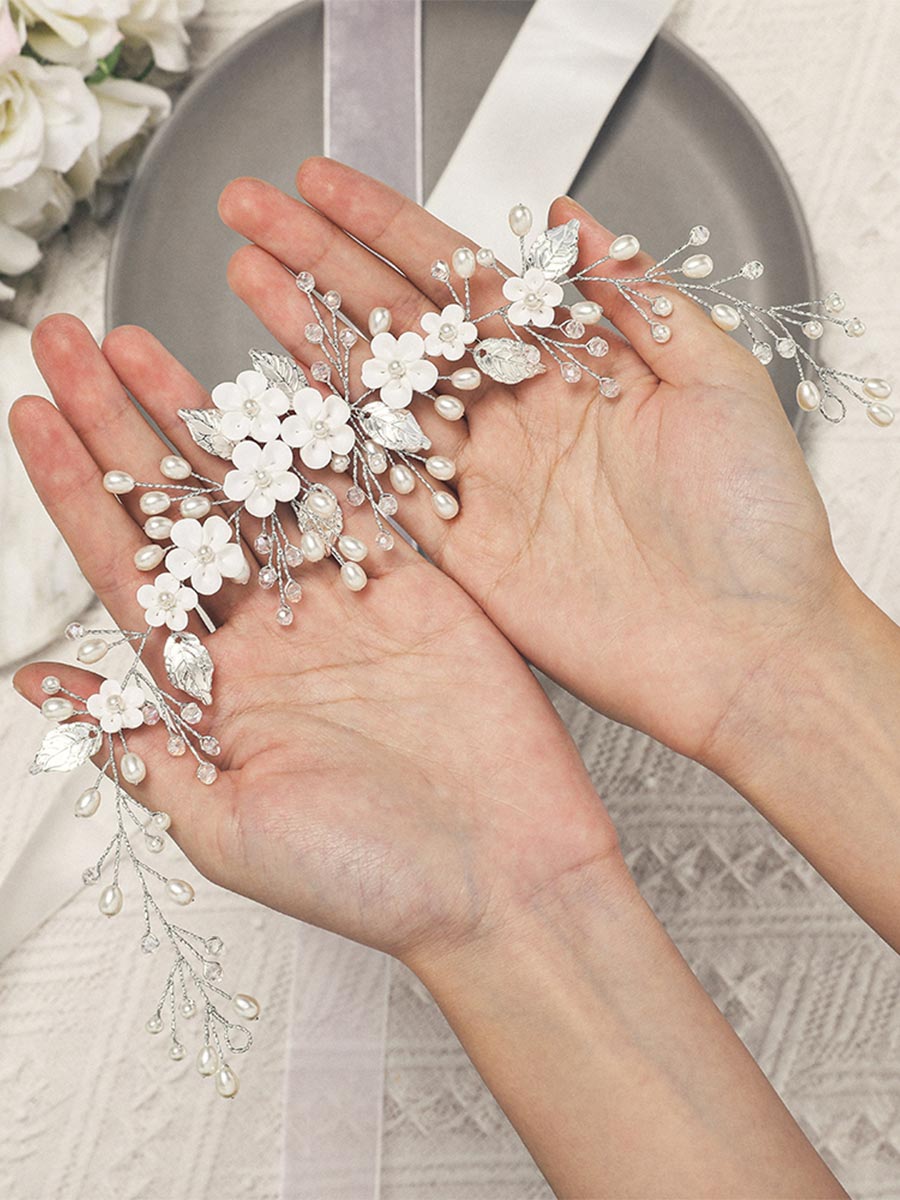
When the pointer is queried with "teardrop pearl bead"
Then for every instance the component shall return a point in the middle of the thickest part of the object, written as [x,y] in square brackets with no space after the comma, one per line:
[463,260]
[57,708]
[402,479]
[445,505]
[725,317]
[207,1060]
[110,900]
[321,503]
[878,389]
[194,506]
[379,320]
[154,503]
[880,414]
[466,379]
[313,546]
[697,266]
[439,467]
[520,219]
[158,528]
[173,466]
[87,803]
[352,548]
[586,311]
[227,1082]
[133,768]
[808,395]
[148,557]
[354,576]
[180,891]
[245,1006]
[92,650]
[449,407]
[118,482]
[624,247]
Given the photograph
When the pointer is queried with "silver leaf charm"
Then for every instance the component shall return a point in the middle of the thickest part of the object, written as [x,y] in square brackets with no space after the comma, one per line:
[204,426]
[189,665]
[508,360]
[66,747]
[280,370]
[395,428]
[329,528]
[555,250]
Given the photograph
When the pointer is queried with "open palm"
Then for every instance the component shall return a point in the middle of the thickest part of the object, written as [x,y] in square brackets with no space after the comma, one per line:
[652,552]
[390,769]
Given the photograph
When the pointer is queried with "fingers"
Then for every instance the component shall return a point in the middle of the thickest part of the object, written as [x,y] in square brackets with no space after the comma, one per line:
[696,344]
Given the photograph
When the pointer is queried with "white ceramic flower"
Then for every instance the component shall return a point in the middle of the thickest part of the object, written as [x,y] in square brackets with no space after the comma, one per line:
[448,332]
[159,24]
[75,32]
[48,117]
[319,428]
[205,554]
[117,707]
[398,368]
[261,477]
[534,297]
[251,407]
[166,601]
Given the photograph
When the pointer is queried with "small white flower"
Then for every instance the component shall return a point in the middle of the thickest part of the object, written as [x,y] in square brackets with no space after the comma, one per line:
[262,476]
[166,602]
[320,427]
[117,707]
[251,407]
[448,332]
[159,24]
[76,32]
[534,298]
[398,368]
[205,554]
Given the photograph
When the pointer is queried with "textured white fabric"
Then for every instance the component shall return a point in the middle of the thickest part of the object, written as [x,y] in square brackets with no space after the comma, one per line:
[88,1104]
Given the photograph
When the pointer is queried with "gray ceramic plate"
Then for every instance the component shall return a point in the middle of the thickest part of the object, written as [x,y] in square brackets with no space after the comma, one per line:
[678,149]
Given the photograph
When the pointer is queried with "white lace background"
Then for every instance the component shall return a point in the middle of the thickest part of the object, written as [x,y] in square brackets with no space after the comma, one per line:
[90,1106]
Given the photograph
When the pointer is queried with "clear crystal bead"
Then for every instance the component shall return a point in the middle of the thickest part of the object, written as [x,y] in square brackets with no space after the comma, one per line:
[854,328]
[763,351]
[384,541]
[570,371]
[215,945]
[150,713]
[348,338]
[332,300]
[262,544]
[320,371]
[699,235]
[212,970]
[597,347]
[74,631]
[610,388]
[284,615]
[153,842]
[378,464]
[192,713]
[786,347]
[90,875]
[293,592]
[752,270]
[50,685]
[388,504]
[293,556]
[207,773]
[339,462]
[314,333]
[440,270]
[573,329]
[834,302]
[267,577]
[660,333]
[176,746]
[149,943]
[305,281]
[356,496]
[813,329]
[210,745]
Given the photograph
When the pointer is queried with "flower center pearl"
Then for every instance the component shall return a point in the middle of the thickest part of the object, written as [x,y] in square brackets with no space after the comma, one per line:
[397,368]
[263,478]
[533,300]
[320,429]
[447,332]
[115,704]
[205,554]
[251,408]
[165,599]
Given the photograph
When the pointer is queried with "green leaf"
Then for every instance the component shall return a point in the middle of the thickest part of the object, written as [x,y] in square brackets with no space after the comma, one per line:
[105,66]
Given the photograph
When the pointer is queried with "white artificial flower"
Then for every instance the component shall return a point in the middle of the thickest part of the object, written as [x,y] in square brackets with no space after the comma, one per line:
[166,601]
[534,297]
[78,33]
[398,368]
[30,212]
[319,428]
[448,332]
[159,24]
[251,407]
[205,554]
[262,476]
[47,118]
[117,707]
[12,35]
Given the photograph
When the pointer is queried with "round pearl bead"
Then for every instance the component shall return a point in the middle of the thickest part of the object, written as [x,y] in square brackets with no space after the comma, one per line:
[354,576]
[180,891]
[697,266]
[520,219]
[246,1007]
[148,557]
[87,803]
[808,395]
[855,328]
[725,317]
[92,650]
[352,548]
[588,312]
[312,545]
[194,506]
[662,306]
[158,528]
[813,329]
[323,504]
[50,685]
[445,505]
[379,320]
[57,708]
[439,467]
[402,479]
[878,389]
[466,379]
[160,821]
[173,466]
[154,503]
[118,482]
[207,1061]
[624,247]
[110,900]
[660,333]
[176,1051]
[880,414]
[133,768]
[227,1082]
[484,257]
[154,1024]
[449,407]
[463,260]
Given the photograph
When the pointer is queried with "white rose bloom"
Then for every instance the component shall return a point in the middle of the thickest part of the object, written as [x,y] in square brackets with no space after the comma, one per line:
[76,32]
[129,112]
[159,24]
[47,117]
[30,212]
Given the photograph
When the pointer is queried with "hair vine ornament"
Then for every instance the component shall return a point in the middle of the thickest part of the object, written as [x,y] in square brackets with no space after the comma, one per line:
[362,428]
